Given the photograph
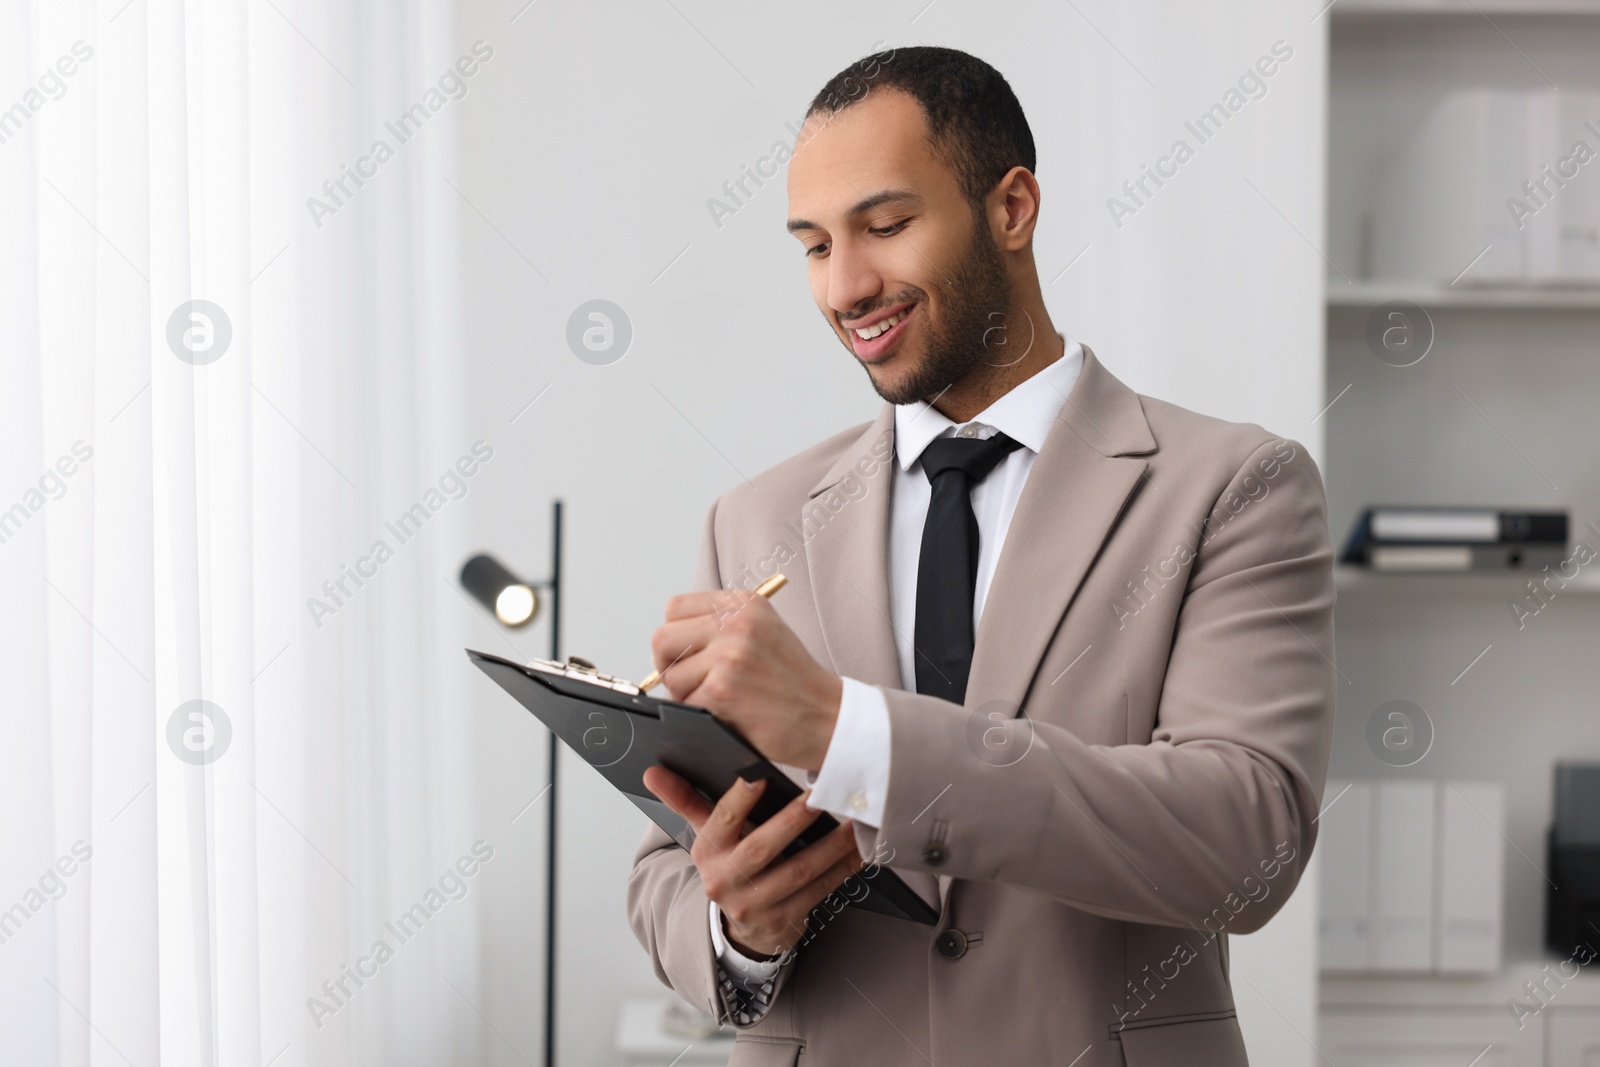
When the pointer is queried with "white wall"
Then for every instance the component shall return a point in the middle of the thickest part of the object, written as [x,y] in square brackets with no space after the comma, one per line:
[592,141]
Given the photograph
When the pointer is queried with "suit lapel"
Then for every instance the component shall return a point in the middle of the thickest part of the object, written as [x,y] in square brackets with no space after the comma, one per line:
[848,561]
[1079,485]
[847,555]
[1080,482]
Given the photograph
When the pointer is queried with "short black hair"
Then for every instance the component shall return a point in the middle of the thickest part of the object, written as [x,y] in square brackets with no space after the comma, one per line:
[975,122]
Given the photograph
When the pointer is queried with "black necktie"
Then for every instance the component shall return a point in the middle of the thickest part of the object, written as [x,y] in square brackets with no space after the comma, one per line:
[947,570]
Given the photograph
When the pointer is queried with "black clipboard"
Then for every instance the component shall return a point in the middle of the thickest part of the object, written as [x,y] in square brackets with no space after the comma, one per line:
[619,731]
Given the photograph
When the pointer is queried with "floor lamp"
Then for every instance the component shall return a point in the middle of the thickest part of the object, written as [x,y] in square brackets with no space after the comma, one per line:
[515,603]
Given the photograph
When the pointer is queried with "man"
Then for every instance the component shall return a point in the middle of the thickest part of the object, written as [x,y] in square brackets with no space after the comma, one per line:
[1058,654]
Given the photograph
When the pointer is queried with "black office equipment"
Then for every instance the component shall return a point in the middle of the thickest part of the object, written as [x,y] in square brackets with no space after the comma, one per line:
[1572,911]
[620,731]
[1427,538]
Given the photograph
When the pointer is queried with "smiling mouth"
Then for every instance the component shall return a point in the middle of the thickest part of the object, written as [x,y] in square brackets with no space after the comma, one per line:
[873,342]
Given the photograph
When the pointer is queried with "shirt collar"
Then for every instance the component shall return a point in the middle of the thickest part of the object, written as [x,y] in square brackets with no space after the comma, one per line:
[1024,414]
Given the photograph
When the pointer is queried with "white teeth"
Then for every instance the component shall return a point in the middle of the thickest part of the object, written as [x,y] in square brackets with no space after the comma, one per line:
[879,327]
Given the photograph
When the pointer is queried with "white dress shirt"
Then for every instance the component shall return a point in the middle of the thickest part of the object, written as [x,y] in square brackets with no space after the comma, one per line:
[853,782]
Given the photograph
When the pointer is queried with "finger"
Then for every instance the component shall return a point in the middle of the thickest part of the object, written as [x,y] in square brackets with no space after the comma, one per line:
[767,841]
[687,675]
[816,891]
[801,904]
[795,873]
[673,642]
[678,794]
[789,892]
[710,602]
[726,821]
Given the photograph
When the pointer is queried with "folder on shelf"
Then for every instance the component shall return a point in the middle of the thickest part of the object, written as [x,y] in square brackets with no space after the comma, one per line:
[1467,923]
[1343,845]
[1492,181]
[1402,892]
[1412,877]
[1456,539]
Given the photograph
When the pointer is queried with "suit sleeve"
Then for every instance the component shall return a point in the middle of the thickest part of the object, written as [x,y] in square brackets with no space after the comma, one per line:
[667,906]
[1222,797]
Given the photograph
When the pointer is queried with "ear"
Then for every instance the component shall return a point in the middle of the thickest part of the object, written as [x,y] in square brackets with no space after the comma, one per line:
[1017,197]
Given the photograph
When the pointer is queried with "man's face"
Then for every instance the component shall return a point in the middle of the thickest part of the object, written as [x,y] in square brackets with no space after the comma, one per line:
[889,237]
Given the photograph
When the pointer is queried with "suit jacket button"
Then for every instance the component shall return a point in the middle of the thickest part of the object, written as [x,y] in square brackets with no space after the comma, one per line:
[952,944]
[934,855]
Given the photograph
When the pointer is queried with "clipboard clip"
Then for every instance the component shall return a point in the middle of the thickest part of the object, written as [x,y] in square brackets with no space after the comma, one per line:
[579,669]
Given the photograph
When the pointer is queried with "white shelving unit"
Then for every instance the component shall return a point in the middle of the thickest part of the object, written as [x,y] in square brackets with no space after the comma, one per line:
[1371,294]
[1350,10]
[1368,1022]
[1501,412]
[1479,584]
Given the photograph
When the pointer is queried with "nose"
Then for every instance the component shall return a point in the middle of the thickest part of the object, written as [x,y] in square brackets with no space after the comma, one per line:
[852,278]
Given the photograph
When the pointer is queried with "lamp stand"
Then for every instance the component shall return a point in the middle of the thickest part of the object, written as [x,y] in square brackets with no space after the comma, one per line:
[550,811]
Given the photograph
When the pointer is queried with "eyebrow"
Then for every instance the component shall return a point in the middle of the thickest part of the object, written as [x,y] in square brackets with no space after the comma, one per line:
[861,207]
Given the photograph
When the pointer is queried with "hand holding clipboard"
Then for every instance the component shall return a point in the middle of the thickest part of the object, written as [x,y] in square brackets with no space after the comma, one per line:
[697,761]
[764,896]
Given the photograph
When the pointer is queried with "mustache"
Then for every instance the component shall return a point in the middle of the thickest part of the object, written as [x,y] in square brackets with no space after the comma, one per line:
[906,297]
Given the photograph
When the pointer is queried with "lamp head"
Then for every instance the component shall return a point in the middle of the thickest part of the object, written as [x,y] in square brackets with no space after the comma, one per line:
[493,585]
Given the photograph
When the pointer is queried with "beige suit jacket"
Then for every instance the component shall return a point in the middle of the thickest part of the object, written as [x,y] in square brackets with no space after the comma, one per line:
[1133,778]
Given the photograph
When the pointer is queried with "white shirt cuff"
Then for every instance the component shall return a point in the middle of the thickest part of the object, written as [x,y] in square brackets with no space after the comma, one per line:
[853,782]
[741,968]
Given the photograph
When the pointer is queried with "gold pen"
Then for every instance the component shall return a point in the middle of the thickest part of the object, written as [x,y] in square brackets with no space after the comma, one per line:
[765,589]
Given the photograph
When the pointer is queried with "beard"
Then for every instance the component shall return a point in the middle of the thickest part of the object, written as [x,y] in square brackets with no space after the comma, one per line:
[975,300]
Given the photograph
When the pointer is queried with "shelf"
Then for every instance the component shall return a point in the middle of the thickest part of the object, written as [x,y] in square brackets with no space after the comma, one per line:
[1355,991]
[1370,294]
[1348,10]
[1359,579]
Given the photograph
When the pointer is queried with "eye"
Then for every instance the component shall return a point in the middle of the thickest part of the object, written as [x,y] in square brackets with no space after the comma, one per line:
[815,249]
[889,231]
